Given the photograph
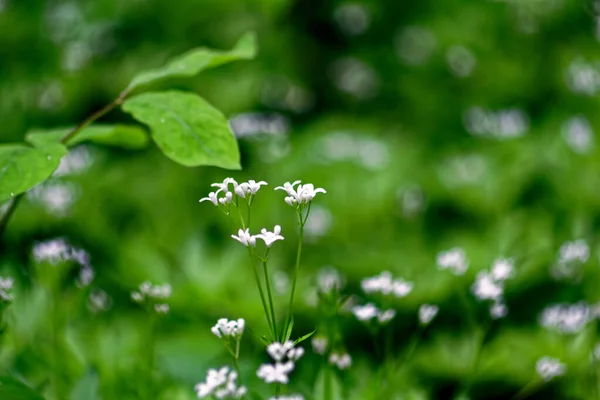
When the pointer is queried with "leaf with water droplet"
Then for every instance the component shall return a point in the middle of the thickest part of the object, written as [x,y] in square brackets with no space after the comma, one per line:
[130,137]
[22,167]
[194,132]
[197,60]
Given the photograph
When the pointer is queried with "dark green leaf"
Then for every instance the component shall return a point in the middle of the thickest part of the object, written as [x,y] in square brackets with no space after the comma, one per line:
[13,389]
[303,338]
[196,60]
[186,128]
[328,386]
[22,167]
[87,387]
[126,136]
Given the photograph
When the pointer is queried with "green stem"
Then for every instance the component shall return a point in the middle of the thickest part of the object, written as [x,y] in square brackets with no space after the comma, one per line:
[268,284]
[295,274]
[527,390]
[262,295]
[56,353]
[150,353]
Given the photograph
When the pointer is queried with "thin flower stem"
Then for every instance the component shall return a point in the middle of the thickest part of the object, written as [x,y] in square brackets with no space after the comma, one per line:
[268,284]
[262,294]
[295,274]
[241,217]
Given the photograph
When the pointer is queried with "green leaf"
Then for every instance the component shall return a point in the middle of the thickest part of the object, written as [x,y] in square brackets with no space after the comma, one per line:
[288,331]
[186,128]
[196,60]
[126,136]
[22,167]
[303,338]
[87,387]
[13,389]
[328,386]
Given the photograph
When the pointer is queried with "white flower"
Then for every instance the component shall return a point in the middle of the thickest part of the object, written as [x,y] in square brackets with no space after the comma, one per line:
[270,237]
[53,251]
[498,310]
[366,312]
[566,318]
[288,397]
[381,283]
[427,313]
[289,189]
[86,276]
[486,288]
[227,199]
[161,308]
[386,316]
[224,187]
[577,250]
[502,269]
[342,361]
[295,353]
[401,288]
[245,238]
[278,351]
[248,188]
[549,368]
[137,297]
[277,372]
[329,279]
[6,285]
[319,344]
[227,328]
[212,197]
[303,194]
[160,291]
[221,384]
[454,259]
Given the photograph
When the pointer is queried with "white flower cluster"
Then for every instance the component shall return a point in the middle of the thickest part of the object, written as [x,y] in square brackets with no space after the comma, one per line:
[427,313]
[548,368]
[57,251]
[319,344]
[158,294]
[566,318]
[300,195]
[454,260]
[385,284]
[329,280]
[571,256]
[288,397]
[221,384]
[226,329]
[249,240]
[245,190]
[285,355]
[340,360]
[489,285]
[6,286]
[368,311]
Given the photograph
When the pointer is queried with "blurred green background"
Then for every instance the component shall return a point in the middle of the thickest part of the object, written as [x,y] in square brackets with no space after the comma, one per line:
[431,124]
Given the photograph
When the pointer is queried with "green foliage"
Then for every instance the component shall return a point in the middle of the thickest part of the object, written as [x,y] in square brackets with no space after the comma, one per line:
[186,128]
[22,167]
[86,388]
[328,386]
[13,389]
[125,136]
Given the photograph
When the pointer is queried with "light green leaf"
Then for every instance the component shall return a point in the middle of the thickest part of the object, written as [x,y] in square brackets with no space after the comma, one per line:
[288,331]
[13,389]
[303,338]
[22,167]
[186,128]
[87,387]
[328,386]
[126,136]
[196,60]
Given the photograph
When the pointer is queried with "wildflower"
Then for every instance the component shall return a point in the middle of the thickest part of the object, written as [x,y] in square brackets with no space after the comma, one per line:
[137,297]
[212,197]
[577,250]
[161,308]
[277,372]
[498,310]
[401,288]
[224,187]
[278,351]
[99,300]
[329,279]
[227,328]
[270,237]
[386,316]
[454,259]
[319,344]
[227,199]
[303,194]
[221,384]
[6,286]
[341,360]
[486,288]
[53,251]
[86,276]
[295,354]
[381,283]
[245,238]
[366,312]
[152,293]
[427,313]
[566,318]
[288,397]
[248,188]
[549,368]
[502,269]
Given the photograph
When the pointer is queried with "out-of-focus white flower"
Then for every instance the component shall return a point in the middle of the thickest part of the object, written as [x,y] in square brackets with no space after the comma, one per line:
[249,188]
[548,368]
[498,310]
[566,318]
[212,197]
[340,360]
[329,279]
[98,301]
[319,344]
[502,269]
[245,238]
[386,316]
[288,397]
[486,288]
[427,313]
[381,283]
[161,308]
[6,286]
[277,372]
[147,291]
[401,288]
[86,276]
[295,353]
[226,199]
[270,237]
[454,260]
[578,134]
[366,312]
[278,351]
[226,328]
[577,250]
[221,384]
[53,251]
